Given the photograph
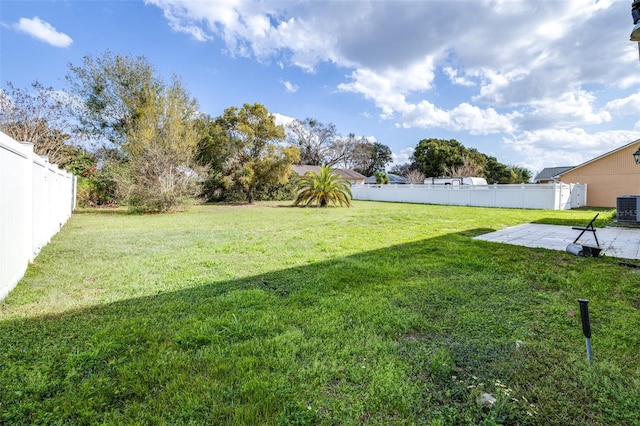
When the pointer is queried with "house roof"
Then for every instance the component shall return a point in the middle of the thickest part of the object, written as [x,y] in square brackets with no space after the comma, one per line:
[548,173]
[604,155]
[392,179]
[347,174]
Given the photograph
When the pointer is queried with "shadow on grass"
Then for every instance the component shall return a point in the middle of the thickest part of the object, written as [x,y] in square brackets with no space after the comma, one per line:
[392,335]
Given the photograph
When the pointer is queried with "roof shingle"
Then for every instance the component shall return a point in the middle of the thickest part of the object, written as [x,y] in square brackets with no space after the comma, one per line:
[548,173]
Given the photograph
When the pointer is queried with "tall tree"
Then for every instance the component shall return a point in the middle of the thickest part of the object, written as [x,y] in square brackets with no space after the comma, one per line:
[434,156]
[213,146]
[370,157]
[381,157]
[522,175]
[38,116]
[496,172]
[161,164]
[114,91]
[437,157]
[255,153]
[148,126]
[318,143]
[213,150]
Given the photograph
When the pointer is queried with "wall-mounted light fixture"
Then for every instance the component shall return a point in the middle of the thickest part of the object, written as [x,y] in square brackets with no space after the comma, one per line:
[636,156]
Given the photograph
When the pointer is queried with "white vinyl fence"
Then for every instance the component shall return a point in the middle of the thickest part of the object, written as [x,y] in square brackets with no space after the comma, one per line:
[552,196]
[36,199]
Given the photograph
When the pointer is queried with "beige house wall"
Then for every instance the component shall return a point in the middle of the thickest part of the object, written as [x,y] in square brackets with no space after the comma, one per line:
[608,177]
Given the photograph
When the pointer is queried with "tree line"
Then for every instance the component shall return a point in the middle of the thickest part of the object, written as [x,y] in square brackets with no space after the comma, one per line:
[439,157]
[136,139]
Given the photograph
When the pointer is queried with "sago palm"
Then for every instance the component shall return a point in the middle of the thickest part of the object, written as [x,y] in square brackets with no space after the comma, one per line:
[322,189]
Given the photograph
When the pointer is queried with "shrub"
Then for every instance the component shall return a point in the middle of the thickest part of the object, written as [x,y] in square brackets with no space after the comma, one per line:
[322,189]
[96,190]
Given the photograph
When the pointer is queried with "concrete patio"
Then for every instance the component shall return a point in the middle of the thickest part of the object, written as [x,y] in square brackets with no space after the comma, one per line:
[617,242]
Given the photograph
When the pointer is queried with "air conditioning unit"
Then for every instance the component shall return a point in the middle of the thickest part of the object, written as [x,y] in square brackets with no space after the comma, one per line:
[627,208]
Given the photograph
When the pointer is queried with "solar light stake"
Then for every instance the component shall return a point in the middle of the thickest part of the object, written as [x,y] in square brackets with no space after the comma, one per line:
[586,326]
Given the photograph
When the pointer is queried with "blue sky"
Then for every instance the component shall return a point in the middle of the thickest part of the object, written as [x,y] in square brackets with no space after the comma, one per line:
[536,83]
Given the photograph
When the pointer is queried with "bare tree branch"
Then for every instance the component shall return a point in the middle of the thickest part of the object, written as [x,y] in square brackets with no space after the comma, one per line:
[37,116]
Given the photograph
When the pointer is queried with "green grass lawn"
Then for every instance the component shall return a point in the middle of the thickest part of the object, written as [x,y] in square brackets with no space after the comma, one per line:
[378,314]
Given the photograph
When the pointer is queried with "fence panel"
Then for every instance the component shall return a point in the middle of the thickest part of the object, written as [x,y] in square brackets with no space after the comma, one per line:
[36,199]
[554,196]
[40,207]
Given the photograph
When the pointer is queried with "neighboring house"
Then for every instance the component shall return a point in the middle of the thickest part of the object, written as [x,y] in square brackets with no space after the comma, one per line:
[551,174]
[608,176]
[353,177]
[392,179]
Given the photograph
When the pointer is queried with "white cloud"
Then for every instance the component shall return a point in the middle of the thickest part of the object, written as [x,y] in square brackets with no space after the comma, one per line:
[496,86]
[476,121]
[625,106]
[564,111]
[283,119]
[552,30]
[570,147]
[290,87]
[43,31]
[193,30]
[403,156]
[533,71]
[456,78]
[379,88]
